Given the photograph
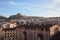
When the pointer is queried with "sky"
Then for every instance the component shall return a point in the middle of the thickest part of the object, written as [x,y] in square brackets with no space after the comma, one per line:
[45,8]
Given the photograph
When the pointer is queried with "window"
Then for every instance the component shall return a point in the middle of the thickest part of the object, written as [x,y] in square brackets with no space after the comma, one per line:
[9,39]
[34,29]
[13,35]
[5,36]
[8,33]
[46,29]
[40,37]
[25,35]
[5,33]
[56,30]
[13,39]
[0,26]
[42,29]
[31,28]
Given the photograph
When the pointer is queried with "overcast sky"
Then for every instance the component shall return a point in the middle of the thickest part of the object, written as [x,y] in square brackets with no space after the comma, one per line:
[46,8]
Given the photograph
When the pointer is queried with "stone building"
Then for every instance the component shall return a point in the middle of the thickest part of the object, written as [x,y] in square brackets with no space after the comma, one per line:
[1,35]
[31,31]
[54,29]
[7,24]
[9,34]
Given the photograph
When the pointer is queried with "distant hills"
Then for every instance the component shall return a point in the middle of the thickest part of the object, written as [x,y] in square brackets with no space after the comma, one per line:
[20,16]
[3,18]
[17,16]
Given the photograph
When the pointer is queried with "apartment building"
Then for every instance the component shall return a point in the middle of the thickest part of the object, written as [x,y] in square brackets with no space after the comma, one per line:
[9,34]
[28,30]
[33,31]
[7,25]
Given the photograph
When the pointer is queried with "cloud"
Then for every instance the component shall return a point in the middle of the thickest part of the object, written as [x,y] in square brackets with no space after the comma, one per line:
[19,3]
[9,3]
[12,3]
[49,9]
[57,1]
[53,8]
[1,9]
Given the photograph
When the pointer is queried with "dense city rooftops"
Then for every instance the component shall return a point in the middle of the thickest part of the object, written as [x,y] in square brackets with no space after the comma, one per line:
[31,21]
[42,24]
[5,29]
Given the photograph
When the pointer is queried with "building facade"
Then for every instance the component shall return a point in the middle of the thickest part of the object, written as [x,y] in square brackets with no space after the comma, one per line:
[25,30]
[31,31]
[9,34]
